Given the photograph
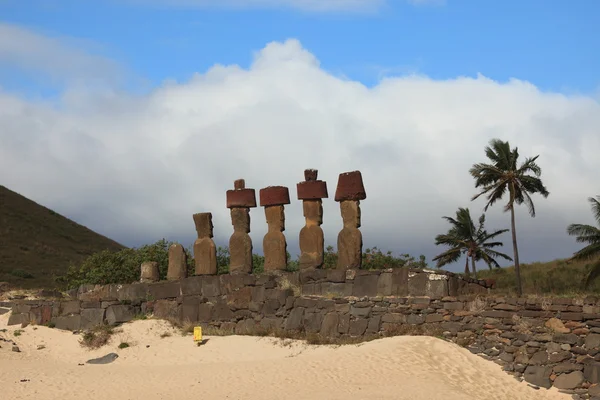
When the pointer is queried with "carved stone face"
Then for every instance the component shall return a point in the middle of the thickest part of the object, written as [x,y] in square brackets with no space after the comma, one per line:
[204,225]
[240,218]
[313,210]
[275,217]
[350,213]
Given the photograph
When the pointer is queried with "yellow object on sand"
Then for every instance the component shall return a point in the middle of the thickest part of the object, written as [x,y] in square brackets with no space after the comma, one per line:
[197,334]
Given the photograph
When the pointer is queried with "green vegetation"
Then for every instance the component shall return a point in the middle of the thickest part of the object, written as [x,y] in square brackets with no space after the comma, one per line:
[123,345]
[97,337]
[505,175]
[591,235]
[464,238]
[558,278]
[37,244]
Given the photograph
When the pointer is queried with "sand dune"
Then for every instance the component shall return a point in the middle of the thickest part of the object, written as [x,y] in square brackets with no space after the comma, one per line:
[240,367]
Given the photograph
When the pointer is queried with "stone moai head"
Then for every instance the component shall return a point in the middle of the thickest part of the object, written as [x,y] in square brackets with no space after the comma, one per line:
[273,198]
[350,190]
[311,191]
[240,200]
[204,225]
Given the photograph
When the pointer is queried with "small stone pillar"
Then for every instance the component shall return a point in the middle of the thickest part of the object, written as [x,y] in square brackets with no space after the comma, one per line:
[177,263]
[312,241]
[349,192]
[149,272]
[273,198]
[239,201]
[205,251]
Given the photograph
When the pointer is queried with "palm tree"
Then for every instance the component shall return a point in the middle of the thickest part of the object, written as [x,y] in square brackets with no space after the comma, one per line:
[464,238]
[505,175]
[591,235]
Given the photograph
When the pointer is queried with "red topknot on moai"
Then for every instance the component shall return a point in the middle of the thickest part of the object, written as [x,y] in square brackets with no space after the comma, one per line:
[349,192]
[312,241]
[240,200]
[273,198]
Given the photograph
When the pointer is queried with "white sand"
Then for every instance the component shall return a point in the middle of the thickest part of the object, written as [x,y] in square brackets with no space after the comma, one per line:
[240,367]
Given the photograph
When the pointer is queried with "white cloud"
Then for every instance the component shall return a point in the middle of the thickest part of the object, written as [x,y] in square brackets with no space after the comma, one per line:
[137,167]
[304,5]
[58,58]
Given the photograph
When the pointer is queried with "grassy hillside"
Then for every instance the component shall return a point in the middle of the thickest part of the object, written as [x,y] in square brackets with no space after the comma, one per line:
[37,244]
[551,278]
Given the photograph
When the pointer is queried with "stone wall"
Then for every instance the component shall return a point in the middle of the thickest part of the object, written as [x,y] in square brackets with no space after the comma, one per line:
[546,341]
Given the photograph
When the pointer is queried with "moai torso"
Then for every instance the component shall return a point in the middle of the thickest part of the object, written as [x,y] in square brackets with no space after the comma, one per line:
[239,201]
[350,238]
[273,199]
[205,251]
[312,242]
[177,268]
[349,192]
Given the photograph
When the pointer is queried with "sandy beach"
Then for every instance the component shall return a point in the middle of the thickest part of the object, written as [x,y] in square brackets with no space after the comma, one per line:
[162,364]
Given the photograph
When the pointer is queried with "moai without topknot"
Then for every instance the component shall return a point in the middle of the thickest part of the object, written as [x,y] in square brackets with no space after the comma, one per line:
[312,241]
[149,272]
[177,268]
[205,251]
[349,192]
[273,198]
[239,201]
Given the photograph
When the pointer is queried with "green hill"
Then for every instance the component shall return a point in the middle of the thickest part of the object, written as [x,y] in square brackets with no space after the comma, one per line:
[37,244]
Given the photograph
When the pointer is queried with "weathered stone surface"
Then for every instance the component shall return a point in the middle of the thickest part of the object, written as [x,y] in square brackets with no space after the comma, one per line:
[538,375]
[294,321]
[570,380]
[329,327]
[190,308]
[133,292]
[69,323]
[365,285]
[191,286]
[349,241]
[417,284]
[350,187]
[240,243]
[358,326]
[245,327]
[205,312]
[205,251]
[400,282]
[166,309]
[164,290]
[566,338]
[240,299]
[149,272]
[18,319]
[592,341]
[119,314]
[69,307]
[311,236]
[274,244]
[240,196]
[91,317]
[591,371]
[177,267]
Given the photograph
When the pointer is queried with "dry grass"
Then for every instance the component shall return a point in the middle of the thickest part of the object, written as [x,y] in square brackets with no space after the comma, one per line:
[284,283]
[97,337]
[477,306]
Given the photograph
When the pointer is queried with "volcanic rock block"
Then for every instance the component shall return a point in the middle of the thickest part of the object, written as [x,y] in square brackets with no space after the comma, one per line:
[205,251]
[349,192]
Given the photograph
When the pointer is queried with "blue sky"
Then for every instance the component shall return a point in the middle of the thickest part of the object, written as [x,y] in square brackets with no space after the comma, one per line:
[120,115]
[553,44]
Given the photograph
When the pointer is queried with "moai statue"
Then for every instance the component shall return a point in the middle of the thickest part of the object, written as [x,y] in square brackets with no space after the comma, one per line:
[240,200]
[273,198]
[149,272]
[312,241]
[177,263]
[205,251]
[349,192]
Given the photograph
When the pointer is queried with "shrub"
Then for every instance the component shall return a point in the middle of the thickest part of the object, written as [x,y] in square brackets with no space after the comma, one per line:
[97,337]
[19,273]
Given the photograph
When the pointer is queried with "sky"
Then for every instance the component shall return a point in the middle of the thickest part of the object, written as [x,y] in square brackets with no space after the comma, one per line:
[129,116]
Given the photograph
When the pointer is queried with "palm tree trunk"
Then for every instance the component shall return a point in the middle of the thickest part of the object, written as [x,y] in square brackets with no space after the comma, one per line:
[473,267]
[467,267]
[515,250]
